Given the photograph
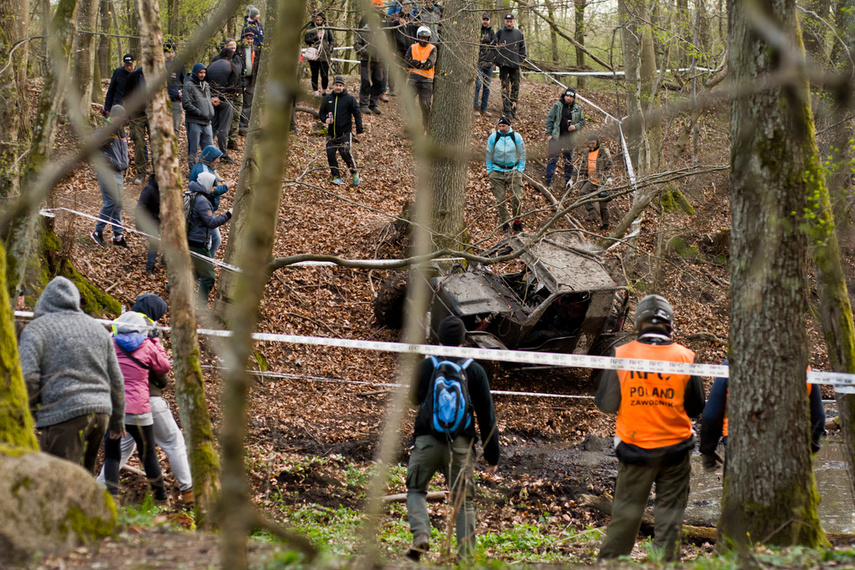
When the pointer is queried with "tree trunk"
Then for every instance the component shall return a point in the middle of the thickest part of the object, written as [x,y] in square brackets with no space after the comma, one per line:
[630,49]
[84,52]
[553,36]
[19,238]
[770,492]
[15,133]
[651,128]
[105,61]
[133,30]
[254,252]
[814,31]
[174,19]
[189,384]
[451,122]
[17,429]
[579,34]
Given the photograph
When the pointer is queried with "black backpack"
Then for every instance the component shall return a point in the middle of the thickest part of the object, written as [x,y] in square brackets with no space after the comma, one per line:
[447,405]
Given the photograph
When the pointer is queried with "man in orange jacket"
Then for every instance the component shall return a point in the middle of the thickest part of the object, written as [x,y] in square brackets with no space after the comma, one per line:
[421,61]
[653,433]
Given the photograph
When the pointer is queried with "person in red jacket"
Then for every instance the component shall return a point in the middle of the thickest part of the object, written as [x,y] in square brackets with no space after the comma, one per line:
[654,436]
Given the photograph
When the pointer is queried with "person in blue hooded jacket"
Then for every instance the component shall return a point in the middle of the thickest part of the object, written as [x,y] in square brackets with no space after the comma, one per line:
[208,163]
[200,223]
[505,165]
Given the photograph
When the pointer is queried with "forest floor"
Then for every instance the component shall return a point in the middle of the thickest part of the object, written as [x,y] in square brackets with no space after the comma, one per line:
[316,416]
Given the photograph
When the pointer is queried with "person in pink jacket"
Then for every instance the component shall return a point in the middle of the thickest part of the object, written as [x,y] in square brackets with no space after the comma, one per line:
[137,354]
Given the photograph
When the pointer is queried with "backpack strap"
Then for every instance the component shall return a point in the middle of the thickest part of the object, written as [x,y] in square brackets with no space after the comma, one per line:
[513,135]
[466,364]
[131,356]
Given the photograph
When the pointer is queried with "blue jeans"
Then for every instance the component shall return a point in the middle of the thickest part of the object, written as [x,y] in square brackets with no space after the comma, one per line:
[198,136]
[483,76]
[216,241]
[554,150]
[111,184]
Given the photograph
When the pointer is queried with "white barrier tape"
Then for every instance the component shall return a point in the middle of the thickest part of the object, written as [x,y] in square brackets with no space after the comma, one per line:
[516,356]
[607,73]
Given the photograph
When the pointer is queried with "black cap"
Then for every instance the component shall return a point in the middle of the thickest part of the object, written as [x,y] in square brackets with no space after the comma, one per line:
[451,331]
[509,16]
[128,58]
[485,16]
[338,79]
[168,45]
[503,120]
[569,91]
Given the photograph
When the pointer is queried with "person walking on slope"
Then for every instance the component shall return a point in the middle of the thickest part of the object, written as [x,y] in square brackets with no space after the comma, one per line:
[421,62]
[510,53]
[116,90]
[321,42]
[505,165]
[654,437]
[167,434]
[452,453]
[200,223]
[370,66]
[208,163]
[198,112]
[337,109]
[486,57]
[111,181]
[73,378]
[175,84]
[138,355]
[564,121]
[137,124]
[148,220]
[597,163]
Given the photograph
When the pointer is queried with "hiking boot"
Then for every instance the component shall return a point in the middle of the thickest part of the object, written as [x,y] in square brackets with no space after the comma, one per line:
[355,179]
[477,112]
[486,113]
[506,229]
[376,110]
[138,180]
[517,226]
[549,185]
[232,145]
[316,93]
[226,159]
[149,268]
[187,498]
[337,180]
[364,110]
[384,98]
[98,238]
[420,546]
[120,241]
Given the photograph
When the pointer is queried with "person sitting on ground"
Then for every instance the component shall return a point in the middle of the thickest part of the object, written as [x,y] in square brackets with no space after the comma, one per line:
[208,163]
[167,434]
[339,110]
[111,181]
[421,63]
[597,163]
[74,382]
[200,223]
[454,457]
[138,354]
[505,165]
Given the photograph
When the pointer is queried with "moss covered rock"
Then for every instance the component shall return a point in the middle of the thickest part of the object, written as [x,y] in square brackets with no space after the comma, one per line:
[49,506]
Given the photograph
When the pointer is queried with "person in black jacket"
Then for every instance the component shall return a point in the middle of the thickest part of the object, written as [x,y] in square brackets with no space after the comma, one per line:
[336,111]
[198,111]
[431,453]
[148,220]
[200,223]
[223,77]
[137,124]
[486,56]
[321,41]
[111,180]
[370,66]
[510,53]
[177,76]
[116,90]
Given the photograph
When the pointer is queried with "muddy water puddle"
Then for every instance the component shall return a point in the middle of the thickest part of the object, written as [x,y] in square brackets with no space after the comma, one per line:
[836,510]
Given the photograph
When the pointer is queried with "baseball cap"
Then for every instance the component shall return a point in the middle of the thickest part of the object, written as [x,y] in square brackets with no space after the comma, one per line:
[338,79]
[128,58]
[485,16]
[509,16]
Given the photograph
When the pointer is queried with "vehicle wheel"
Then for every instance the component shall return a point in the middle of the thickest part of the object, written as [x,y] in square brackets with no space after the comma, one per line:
[389,303]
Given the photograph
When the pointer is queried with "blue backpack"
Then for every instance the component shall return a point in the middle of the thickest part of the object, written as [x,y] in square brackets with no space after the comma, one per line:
[447,404]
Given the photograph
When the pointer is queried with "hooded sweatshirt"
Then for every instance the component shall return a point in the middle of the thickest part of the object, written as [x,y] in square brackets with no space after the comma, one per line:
[137,354]
[206,164]
[342,106]
[152,308]
[202,219]
[197,98]
[69,362]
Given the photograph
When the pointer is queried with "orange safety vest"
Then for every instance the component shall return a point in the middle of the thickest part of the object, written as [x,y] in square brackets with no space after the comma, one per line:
[651,412]
[421,54]
[724,423]
[592,165]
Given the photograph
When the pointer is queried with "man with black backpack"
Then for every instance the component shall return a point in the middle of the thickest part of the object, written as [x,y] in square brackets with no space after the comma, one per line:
[450,393]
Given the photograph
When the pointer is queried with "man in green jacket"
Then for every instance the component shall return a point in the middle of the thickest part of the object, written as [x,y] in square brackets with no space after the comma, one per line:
[564,121]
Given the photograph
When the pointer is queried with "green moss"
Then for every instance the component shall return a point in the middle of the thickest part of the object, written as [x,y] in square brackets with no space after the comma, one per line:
[261,361]
[86,529]
[14,450]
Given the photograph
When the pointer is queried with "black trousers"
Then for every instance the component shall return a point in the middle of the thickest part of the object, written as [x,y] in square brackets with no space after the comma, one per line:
[424,91]
[510,78]
[144,438]
[320,67]
[340,145]
[370,83]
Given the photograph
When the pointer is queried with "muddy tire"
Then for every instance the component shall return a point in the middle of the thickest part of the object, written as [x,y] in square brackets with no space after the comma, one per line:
[389,303]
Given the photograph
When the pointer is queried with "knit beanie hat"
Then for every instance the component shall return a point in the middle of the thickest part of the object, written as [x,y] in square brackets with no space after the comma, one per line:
[451,331]
[206,180]
[503,120]
[130,322]
[197,67]
[252,12]
[150,305]
[338,79]
[117,111]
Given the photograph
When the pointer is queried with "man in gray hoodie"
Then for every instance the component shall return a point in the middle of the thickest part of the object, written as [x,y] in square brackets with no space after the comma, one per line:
[73,378]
